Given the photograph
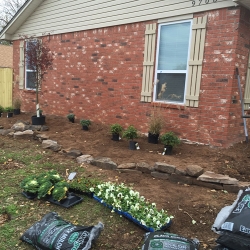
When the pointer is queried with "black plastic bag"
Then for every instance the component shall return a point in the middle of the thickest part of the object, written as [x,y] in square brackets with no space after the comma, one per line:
[166,241]
[238,220]
[54,233]
[233,241]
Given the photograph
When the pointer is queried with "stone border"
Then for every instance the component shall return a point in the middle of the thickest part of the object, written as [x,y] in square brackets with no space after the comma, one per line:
[192,175]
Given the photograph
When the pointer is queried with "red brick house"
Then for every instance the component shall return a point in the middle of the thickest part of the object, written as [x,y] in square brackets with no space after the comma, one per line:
[115,60]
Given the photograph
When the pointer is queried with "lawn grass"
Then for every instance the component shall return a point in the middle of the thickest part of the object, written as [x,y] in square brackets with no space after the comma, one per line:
[118,233]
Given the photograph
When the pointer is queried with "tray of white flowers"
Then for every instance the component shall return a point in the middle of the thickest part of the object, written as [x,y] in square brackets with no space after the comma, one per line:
[129,203]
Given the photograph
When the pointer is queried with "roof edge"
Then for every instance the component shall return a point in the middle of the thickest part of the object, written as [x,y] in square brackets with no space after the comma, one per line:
[18,19]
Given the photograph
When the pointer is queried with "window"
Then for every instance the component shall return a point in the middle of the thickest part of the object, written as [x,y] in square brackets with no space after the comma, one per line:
[30,71]
[172,62]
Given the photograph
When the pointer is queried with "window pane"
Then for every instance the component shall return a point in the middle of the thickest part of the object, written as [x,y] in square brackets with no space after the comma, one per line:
[173,47]
[170,87]
[30,80]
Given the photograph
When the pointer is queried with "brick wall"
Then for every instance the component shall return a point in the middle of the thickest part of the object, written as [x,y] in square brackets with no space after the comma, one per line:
[6,56]
[97,74]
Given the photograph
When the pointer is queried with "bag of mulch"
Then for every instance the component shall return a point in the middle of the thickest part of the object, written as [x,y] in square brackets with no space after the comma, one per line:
[238,220]
[54,233]
[223,214]
[166,241]
[233,241]
[220,247]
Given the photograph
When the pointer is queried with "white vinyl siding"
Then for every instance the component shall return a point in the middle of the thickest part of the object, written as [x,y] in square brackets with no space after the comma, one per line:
[55,17]
[247,87]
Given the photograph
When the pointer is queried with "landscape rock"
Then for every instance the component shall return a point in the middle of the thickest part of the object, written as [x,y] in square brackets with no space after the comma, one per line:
[180,171]
[144,167]
[104,162]
[42,137]
[84,159]
[194,170]
[72,152]
[36,127]
[181,179]
[51,145]
[127,166]
[164,167]
[122,170]
[19,126]
[27,134]
[5,131]
[209,176]
[159,175]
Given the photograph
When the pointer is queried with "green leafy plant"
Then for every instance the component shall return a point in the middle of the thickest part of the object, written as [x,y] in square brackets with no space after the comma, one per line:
[71,116]
[60,190]
[125,199]
[83,184]
[130,133]
[1,109]
[86,123]
[44,184]
[30,184]
[9,109]
[17,103]
[116,128]
[170,138]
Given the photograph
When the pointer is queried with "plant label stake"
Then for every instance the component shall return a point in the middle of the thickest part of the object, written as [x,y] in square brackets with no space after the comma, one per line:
[71,176]
[164,151]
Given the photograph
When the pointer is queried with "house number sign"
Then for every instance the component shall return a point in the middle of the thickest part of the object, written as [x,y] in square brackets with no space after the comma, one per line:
[199,2]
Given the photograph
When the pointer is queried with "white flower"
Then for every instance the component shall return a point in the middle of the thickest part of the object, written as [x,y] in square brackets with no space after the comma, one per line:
[91,189]
[143,222]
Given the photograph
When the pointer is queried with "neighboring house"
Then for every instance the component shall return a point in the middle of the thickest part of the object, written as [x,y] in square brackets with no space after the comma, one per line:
[6,56]
[108,54]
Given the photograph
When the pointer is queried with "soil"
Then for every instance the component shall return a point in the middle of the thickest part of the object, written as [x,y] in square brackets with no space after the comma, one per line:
[184,202]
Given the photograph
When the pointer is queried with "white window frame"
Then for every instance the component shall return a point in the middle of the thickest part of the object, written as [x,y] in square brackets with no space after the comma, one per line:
[28,70]
[171,71]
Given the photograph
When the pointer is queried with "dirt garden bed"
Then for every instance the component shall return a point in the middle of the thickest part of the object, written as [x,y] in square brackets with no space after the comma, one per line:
[183,201]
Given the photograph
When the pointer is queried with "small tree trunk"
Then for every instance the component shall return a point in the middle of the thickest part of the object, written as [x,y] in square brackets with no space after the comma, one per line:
[37,110]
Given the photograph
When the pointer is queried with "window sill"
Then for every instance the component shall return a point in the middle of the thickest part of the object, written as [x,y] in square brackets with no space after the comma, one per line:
[168,105]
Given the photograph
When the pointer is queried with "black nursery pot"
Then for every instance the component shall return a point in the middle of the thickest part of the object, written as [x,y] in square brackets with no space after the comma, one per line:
[38,120]
[115,137]
[132,145]
[168,149]
[153,138]
[17,111]
[85,128]
[72,120]
[10,114]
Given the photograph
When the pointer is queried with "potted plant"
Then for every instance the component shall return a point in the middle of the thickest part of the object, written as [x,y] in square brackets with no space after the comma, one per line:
[130,134]
[85,124]
[71,117]
[1,110]
[116,130]
[38,58]
[82,185]
[155,126]
[169,139]
[9,111]
[17,106]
